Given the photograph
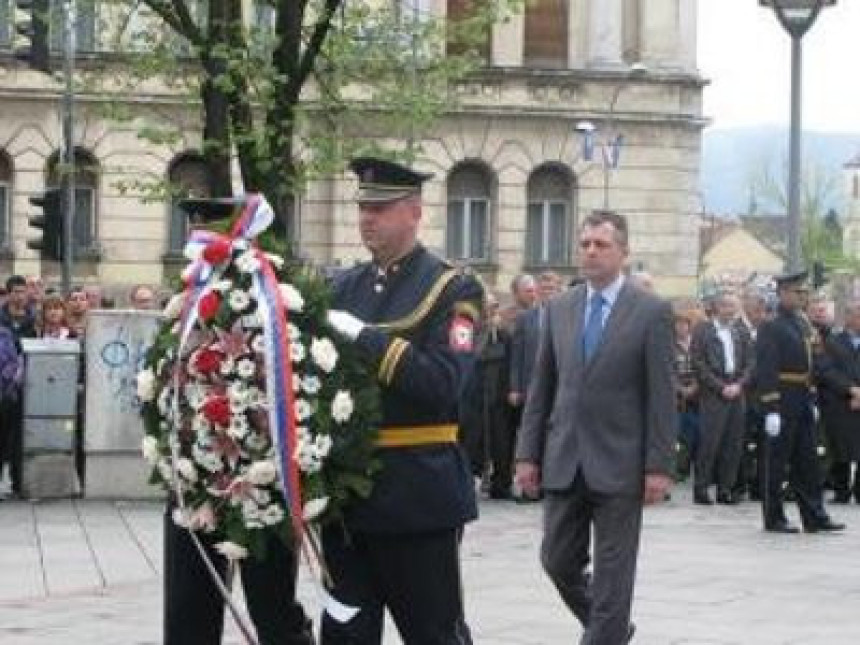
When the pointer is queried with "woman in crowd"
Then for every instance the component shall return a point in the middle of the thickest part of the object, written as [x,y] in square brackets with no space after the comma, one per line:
[53,321]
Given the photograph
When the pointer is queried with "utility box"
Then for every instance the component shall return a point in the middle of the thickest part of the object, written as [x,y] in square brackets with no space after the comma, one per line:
[51,375]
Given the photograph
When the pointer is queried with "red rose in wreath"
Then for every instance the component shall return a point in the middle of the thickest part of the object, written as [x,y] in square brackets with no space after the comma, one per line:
[207,361]
[217,252]
[216,409]
[209,305]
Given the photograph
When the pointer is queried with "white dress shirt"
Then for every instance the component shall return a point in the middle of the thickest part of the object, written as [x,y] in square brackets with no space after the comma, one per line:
[724,333]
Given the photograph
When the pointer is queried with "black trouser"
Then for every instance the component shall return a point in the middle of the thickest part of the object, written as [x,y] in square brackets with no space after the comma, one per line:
[795,449]
[502,438]
[840,477]
[194,609]
[416,576]
[749,473]
[11,425]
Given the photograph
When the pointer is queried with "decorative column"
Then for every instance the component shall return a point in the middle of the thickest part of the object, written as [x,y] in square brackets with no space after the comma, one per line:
[688,21]
[660,29]
[605,33]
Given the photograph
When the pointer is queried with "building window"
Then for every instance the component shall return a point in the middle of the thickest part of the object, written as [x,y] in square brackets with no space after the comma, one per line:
[85,224]
[5,198]
[546,34]
[6,26]
[461,42]
[469,210]
[85,26]
[188,177]
[548,217]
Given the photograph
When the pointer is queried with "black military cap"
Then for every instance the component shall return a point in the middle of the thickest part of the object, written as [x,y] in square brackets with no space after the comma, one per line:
[380,180]
[785,280]
[207,211]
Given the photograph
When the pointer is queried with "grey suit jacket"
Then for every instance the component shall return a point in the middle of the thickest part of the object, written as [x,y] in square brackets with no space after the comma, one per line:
[613,418]
[524,346]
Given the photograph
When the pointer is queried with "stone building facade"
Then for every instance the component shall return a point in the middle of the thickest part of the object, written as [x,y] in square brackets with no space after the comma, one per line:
[513,174]
[851,222]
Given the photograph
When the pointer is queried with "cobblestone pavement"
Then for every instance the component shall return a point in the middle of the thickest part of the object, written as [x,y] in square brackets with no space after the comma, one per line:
[88,573]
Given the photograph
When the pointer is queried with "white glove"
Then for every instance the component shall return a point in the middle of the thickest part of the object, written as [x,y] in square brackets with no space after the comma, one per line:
[345,324]
[772,424]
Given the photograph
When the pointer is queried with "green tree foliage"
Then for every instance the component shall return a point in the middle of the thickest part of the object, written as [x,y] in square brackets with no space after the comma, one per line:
[287,88]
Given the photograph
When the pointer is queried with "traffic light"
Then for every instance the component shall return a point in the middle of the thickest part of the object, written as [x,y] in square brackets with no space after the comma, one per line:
[819,275]
[50,221]
[30,43]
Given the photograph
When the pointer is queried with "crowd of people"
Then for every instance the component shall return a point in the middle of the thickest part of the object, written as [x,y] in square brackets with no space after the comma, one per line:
[31,309]
[721,415]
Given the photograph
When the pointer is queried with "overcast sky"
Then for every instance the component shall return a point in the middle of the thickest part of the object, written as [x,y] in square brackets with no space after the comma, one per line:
[745,53]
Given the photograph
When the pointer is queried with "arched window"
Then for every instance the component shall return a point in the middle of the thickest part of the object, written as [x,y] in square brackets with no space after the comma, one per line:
[5,197]
[85,225]
[188,177]
[546,34]
[466,40]
[469,206]
[549,216]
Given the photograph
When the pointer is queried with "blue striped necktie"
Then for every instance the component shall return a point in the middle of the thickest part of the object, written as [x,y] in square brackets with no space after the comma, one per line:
[594,325]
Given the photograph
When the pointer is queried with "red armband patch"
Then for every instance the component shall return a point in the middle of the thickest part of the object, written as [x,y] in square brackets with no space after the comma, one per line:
[461,335]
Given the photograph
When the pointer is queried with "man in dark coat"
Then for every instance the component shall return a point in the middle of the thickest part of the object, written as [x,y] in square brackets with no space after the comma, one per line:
[839,386]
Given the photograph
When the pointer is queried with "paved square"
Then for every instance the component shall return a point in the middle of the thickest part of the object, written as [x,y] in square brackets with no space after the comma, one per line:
[88,573]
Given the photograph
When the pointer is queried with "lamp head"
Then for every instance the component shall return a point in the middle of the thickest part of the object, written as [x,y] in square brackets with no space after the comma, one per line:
[797,16]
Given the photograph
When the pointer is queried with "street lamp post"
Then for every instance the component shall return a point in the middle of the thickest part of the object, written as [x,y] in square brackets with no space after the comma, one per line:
[610,140]
[797,17]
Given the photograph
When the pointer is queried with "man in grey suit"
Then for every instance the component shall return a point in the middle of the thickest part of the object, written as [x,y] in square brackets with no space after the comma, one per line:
[598,432]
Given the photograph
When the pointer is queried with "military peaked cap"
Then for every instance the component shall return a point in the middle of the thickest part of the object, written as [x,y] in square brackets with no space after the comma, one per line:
[380,180]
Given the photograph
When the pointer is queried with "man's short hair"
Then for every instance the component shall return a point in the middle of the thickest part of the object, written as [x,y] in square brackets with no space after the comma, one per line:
[518,279]
[15,281]
[618,221]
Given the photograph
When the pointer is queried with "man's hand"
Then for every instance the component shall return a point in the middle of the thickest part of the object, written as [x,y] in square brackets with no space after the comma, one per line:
[345,324]
[528,478]
[515,399]
[772,424]
[731,391]
[657,485]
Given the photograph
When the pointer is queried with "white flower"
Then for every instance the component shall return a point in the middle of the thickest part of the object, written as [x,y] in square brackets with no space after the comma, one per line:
[302,409]
[291,297]
[262,497]
[311,384]
[248,262]
[251,514]
[293,332]
[180,518]
[241,244]
[187,470]
[146,385]
[276,260]
[246,368]
[165,470]
[231,550]
[261,473]
[149,448]
[207,459]
[273,514]
[303,434]
[228,364]
[297,352]
[255,398]
[259,343]
[239,300]
[174,306]
[313,508]
[223,285]
[322,444]
[195,394]
[324,354]
[238,427]
[255,441]
[164,402]
[342,406]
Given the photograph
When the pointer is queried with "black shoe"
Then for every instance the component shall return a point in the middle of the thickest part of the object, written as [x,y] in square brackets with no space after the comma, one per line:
[841,498]
[724,497]
[500,494]
[630,631]
[701,497]
[823,526]
[781,527]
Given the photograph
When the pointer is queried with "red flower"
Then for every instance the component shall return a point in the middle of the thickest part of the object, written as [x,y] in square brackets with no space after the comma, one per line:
[217,251]
[209,305]
[207,361]
[216,409]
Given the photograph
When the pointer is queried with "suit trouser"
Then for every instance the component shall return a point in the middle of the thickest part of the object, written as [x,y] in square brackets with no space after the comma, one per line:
[602,603]
[194,610]
[795,449]
[840,477]
[11,418]
[721,442]
[416,576]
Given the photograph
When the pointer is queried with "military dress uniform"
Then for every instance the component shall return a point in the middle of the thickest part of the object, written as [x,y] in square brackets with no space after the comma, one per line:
[785,381]
[399,548]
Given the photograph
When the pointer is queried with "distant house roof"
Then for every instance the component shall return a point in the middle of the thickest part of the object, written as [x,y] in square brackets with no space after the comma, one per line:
[854,162]
[770,230]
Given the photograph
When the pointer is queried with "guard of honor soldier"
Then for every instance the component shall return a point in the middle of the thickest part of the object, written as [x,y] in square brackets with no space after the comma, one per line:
[784,353]
[413,317]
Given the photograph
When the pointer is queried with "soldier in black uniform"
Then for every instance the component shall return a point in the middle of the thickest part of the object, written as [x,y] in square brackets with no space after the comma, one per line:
[784,378]
[413,317]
